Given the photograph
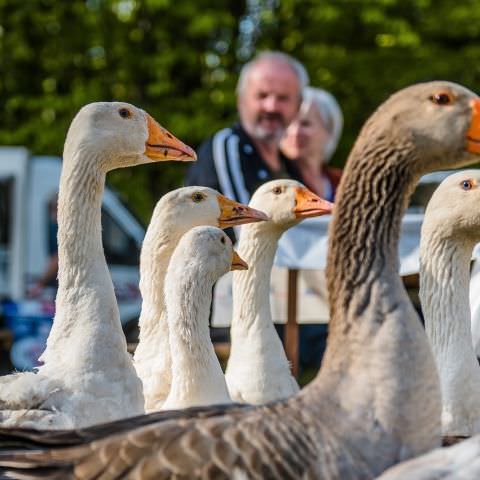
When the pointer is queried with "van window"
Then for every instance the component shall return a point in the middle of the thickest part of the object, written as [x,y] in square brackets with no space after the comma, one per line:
[120,248]
[6,192]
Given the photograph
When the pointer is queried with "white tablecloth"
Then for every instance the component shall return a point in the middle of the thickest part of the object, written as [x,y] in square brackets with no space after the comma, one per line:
[304,247]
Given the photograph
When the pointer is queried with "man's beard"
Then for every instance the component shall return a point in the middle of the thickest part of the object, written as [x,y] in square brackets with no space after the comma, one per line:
[260,133]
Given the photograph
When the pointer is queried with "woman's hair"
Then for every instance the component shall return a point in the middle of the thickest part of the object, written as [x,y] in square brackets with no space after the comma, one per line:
[330,113]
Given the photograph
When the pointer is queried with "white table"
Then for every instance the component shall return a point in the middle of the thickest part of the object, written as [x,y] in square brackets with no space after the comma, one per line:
[304,248]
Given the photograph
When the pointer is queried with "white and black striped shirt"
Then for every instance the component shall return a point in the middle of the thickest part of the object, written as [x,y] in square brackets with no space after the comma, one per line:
[229,163]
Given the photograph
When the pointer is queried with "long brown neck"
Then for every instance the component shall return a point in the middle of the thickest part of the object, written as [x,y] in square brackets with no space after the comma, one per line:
[377,350]
[365,229]
[364,236]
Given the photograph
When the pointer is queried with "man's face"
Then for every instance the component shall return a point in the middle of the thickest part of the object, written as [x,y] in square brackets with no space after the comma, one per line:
[269,100]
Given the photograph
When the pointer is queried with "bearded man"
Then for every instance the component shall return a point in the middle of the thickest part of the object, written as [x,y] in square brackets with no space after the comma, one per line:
[237,160]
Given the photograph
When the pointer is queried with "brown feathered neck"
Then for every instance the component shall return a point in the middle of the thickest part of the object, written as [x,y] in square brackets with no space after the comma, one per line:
[372,197]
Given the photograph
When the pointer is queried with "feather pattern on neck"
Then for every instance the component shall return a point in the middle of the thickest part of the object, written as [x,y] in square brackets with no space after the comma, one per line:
[444,282]
[83,274]
[152,356]
[86,348]
[258,370]
[197,378]
[371,315]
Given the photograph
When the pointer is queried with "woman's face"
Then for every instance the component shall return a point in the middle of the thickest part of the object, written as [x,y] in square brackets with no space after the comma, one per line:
[305,137]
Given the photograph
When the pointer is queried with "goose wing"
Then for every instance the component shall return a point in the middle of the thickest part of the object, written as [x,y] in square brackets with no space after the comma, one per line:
[218,442]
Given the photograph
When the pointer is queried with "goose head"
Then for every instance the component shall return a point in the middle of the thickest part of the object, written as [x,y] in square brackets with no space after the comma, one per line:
[454,209]
[287,202]
[440,120]
[118,134]
[208,248]
[189,207]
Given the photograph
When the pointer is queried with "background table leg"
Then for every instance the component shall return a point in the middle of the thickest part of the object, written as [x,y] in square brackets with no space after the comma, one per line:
[291,327]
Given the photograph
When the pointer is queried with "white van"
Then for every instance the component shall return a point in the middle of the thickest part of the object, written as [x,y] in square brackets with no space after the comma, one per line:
[27,184]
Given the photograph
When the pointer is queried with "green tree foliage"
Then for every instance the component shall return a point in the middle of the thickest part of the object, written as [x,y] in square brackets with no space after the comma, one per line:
[180,60]
[176,59]
[362,51]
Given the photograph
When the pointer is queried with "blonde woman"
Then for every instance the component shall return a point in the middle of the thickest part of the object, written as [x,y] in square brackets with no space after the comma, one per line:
[312,138]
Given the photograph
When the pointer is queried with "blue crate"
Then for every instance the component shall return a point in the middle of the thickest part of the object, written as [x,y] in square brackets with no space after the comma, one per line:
[30,324]
[26,319]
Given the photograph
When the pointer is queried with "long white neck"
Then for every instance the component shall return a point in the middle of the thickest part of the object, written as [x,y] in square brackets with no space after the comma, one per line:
[87,324]
[156,252]
[251,288]
[197,378]
[444,290]
[444,281]
[258,369]
[152,356]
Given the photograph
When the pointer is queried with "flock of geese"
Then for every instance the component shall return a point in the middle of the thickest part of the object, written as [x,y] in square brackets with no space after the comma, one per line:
[386,392]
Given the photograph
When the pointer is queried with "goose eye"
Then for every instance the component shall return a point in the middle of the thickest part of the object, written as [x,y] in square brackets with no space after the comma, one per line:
[222,240]
[197,197]
[277,190]
[467,184]
[125,113]
[441,98]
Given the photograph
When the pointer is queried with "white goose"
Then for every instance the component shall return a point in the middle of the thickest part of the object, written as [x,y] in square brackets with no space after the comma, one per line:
[376,400]
[175,213]
[87,375]
[202,256]
[450,230]
[258,370]
[458,462]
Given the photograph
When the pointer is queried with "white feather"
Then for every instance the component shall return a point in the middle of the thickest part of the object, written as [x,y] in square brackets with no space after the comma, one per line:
[202,256]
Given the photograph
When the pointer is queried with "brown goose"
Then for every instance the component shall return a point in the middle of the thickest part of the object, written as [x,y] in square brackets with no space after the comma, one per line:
[376,400]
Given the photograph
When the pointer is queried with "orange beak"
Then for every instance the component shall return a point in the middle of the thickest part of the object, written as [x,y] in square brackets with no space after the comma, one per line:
[234,213]
[161,145]
[238,263]
[310,205]
[473,134]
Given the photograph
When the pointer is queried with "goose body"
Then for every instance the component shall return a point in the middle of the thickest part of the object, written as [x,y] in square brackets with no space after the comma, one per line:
[360,415]
[87,375]
[202,256]
[461,461]
[175,213]
[450,230]
[258,370]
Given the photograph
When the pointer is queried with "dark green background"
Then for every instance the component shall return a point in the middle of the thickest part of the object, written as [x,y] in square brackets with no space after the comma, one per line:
[180,59]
